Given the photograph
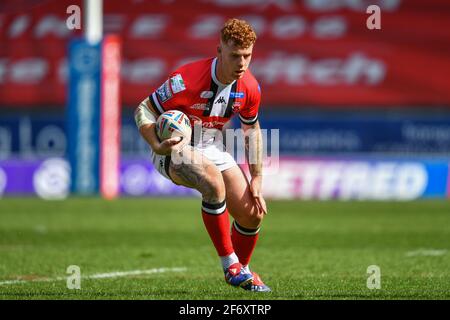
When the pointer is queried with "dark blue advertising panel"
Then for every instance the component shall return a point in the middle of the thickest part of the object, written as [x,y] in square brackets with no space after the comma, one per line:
[32,136]
[83,115]
[347,133]
[40,136]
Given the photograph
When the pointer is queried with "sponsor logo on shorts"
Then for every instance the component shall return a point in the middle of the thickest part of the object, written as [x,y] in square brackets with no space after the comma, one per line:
[177,83]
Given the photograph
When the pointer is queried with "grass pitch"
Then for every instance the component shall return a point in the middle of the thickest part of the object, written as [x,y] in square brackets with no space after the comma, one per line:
[307,250]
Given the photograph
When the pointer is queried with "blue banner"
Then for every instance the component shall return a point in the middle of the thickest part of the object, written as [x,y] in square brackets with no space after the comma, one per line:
[83,115]
[39,136]
[355,133]
[32,136]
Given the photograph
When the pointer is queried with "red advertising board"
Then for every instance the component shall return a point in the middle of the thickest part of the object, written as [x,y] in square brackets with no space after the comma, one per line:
[308,52]
[110,118]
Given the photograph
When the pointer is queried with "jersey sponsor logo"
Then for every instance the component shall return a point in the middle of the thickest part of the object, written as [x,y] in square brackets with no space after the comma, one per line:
[206,124]
[177,83]
[164,92]
[212,124]
[206,94]
[236,95]
[199,106]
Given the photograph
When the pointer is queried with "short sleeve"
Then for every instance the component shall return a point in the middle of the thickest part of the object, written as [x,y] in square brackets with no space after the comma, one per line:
[170,95]
[249,114]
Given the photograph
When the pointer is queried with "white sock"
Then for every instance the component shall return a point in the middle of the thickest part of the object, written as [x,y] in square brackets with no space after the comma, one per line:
[227,261]
[246,269]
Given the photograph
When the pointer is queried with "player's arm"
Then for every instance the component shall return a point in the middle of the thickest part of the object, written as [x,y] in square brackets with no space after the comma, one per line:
[253,148]
[254,155]
[145,117]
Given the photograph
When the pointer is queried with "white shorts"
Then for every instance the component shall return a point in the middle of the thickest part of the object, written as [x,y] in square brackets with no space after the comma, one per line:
[214,152]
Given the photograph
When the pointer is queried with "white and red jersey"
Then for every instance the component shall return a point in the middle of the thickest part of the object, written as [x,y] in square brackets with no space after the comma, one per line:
[195,90]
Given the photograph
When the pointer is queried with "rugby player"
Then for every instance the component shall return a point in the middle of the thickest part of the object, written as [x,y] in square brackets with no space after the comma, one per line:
[210,92]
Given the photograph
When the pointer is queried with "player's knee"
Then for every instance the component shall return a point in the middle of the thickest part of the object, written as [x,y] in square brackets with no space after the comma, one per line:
[255,220]
[214,188]
[252,219]
[217,188]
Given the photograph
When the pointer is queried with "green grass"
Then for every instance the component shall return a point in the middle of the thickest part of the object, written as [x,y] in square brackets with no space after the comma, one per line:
[307,250]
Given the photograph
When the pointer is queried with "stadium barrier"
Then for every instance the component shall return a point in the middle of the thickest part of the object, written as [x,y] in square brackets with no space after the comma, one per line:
[298,178]
[380,158]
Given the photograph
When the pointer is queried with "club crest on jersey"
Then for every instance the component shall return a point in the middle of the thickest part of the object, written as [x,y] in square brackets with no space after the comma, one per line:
[236,107]
[177,83]
[236,95]
[164,92]
[206,94]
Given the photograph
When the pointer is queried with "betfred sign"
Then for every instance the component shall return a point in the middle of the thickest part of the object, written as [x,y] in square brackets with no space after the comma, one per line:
[325,179]
[310,52]
[297,178]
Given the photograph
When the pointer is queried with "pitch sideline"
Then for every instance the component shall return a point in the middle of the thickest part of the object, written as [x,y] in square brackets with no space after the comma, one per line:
[116,274]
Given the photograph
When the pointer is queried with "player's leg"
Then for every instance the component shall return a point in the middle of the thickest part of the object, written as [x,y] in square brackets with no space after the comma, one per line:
[247,220]
[192,169]
[242,207]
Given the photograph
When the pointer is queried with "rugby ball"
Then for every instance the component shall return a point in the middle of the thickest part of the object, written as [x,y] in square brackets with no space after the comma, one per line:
[173,123]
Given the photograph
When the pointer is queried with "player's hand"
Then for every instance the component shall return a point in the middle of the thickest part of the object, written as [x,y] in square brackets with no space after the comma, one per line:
[169,145]
[255,188]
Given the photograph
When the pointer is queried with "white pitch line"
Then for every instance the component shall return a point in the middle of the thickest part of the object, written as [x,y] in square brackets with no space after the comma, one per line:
[100,275]
[426,252]
[133,273]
